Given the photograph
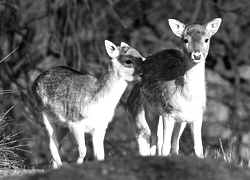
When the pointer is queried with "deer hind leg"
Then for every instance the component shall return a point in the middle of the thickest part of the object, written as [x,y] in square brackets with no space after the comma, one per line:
[179,128]
[160,136]
[142,132]
[53,143]
[61,133]
[168,126]
[196,133]
[153,142]
[79,134]
[152,121]
[136,114]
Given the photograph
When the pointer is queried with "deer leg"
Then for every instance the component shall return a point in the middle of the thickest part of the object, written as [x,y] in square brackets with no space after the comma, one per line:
[160,136]
[179,128]
[79,134]
[61,133]
[168,126]
[53,143]
[98,144]
[152,121]
[142,132]
[153,142]
[196,133]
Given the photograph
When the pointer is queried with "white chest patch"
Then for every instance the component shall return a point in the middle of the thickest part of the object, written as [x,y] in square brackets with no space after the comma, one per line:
[100,112]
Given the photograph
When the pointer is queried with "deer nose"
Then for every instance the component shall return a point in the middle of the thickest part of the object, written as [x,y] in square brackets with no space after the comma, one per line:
[196,55]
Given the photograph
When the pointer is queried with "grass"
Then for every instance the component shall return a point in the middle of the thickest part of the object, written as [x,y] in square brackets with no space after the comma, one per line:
[8,147]
[227,155]
[10,162]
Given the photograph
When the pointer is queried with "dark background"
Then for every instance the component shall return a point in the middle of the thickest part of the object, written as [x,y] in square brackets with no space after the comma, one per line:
[72,32]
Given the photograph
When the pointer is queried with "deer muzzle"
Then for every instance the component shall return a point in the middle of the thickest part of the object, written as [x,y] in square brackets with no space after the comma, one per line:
[197,56]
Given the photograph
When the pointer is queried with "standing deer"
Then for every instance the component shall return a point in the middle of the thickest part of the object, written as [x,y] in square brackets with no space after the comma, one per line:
[172,92]
[84,103]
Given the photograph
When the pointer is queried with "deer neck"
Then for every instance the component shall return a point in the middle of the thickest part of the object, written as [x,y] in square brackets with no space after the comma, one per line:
[196,70]
[195,77]
[105,98]
[111,89]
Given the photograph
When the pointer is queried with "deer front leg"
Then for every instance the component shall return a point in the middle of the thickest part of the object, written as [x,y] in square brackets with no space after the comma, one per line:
[179,128]
[168,126]
[98,144]
[196,126]
[79,134]
[53,143]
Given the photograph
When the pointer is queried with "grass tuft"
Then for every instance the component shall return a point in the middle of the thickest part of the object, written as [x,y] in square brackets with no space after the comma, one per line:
[227,154]
[8,145]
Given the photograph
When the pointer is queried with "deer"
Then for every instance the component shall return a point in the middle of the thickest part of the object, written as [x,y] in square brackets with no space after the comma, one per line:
[83,103]
[172,92]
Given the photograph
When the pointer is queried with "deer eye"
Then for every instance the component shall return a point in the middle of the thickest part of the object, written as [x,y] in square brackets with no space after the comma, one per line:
[128,61]
[185,40]
[206,40]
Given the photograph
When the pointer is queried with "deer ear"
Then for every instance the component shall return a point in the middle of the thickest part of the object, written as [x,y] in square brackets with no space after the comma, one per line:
[111,49]
[177,27]
[213,26]
[123,44]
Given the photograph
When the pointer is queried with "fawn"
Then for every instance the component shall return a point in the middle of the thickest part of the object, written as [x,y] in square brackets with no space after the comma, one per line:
[84,103]
[172,92]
